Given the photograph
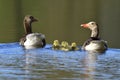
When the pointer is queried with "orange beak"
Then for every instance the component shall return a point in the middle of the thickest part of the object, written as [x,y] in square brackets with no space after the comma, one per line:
[84,25]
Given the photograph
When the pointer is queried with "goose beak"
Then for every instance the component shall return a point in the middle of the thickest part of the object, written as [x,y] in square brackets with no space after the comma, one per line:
[84,25]
[34,20]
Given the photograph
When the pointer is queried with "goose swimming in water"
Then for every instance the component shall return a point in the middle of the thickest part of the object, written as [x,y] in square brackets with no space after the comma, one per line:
[94,43]
[31,40]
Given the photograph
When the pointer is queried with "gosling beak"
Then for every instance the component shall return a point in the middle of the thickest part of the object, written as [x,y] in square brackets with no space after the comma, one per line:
[84,25]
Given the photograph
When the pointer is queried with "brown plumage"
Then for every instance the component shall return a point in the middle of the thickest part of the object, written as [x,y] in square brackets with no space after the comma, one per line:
[94,42]
[38,38]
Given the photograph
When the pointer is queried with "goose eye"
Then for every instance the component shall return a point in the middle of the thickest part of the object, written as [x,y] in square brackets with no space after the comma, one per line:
[31,17]
[93,23]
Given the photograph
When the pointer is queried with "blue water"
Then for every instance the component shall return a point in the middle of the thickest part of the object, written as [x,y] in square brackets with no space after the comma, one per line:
[16,63]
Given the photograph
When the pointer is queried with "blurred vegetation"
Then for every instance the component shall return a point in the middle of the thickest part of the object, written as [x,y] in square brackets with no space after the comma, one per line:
[61,19]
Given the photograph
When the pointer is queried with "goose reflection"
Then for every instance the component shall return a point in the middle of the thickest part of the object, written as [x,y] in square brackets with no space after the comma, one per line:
[32,64]
[90,65]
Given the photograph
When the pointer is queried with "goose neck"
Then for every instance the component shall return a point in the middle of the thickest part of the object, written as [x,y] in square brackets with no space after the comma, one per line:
[28,28]
[95,32]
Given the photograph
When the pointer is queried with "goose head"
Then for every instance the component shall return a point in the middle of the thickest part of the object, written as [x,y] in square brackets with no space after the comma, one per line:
[93,27]
[28,20]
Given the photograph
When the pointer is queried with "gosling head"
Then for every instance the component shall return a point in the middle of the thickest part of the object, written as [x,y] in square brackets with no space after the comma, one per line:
[73,44]
[56,43]
[64,44]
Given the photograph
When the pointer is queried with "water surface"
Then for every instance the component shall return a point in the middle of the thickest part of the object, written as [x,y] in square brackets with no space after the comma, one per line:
[16,63]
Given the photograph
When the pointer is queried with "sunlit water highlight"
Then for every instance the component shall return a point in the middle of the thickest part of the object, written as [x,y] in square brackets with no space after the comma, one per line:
[16,63]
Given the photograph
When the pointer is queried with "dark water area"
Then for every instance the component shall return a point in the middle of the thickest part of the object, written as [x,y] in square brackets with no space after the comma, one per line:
[16,63]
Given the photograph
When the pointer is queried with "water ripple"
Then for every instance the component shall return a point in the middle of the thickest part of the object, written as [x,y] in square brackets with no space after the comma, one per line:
[16,63]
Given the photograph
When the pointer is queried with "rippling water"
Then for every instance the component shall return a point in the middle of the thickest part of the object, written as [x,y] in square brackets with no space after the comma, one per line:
[46,64]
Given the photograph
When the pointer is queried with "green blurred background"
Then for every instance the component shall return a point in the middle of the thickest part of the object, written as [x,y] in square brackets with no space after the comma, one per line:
[61,19]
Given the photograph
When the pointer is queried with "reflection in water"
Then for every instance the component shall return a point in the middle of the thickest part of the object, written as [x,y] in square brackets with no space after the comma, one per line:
[39,64]
[31,64]
[48,66]
[90,61]
[29,60]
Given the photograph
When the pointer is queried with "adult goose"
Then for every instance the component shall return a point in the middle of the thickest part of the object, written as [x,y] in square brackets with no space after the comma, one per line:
[94,43]
[31,40]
